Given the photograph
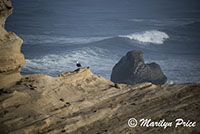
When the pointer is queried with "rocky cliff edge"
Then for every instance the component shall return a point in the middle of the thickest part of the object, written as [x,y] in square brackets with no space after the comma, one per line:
[80,102]
[11,59]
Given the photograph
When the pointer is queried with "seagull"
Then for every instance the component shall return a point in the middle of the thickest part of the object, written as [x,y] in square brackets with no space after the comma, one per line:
[78,64]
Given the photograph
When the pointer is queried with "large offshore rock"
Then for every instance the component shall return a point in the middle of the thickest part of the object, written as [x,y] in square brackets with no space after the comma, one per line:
[11,59]
[131,69]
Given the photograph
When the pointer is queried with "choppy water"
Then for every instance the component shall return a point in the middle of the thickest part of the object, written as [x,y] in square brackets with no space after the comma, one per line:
[97,33]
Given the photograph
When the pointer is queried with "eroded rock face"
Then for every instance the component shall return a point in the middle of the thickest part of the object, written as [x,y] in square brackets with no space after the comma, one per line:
[83,103]
[11,59]
[131,69]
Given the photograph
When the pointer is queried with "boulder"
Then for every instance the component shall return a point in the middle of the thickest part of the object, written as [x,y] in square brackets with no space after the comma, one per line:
[131,69]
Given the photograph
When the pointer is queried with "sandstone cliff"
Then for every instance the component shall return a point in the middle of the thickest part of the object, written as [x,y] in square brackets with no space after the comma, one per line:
[80,102]
[11,59]
[83,103]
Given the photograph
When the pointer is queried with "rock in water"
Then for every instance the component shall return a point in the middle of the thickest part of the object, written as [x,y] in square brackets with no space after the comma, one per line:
[131,69]
[11,59]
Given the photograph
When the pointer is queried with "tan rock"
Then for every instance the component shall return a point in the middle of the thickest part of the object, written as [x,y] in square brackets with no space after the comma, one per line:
[11,59]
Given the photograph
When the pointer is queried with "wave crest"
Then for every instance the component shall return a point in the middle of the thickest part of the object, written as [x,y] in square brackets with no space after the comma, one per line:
[154,36]
[54,64]
[47,39]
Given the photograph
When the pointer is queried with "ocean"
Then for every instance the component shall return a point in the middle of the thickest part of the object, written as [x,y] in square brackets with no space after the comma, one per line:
[97,33]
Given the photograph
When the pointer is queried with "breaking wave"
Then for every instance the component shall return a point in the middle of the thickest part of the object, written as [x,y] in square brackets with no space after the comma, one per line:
[52,64]
[154,36]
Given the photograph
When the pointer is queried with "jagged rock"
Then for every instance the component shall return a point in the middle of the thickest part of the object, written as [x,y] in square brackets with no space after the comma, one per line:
[11,59]
[131,69]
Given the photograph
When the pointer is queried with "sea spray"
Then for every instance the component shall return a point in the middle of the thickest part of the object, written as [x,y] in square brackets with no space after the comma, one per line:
[154,36]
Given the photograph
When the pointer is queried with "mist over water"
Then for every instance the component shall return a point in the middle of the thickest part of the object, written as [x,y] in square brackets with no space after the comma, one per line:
[98,33]
[155,37]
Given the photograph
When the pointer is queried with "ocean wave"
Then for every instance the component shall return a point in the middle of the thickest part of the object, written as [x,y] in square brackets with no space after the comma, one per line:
[47,39]
[137,20]
[195,24]
[166,22]
[98,59]
[154,36]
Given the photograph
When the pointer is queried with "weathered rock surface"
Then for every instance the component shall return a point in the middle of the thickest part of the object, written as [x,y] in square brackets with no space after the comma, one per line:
[11,59]
[82,103]
[131,69]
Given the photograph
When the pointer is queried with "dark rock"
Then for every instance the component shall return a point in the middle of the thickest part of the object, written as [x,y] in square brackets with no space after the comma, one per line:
[131,69]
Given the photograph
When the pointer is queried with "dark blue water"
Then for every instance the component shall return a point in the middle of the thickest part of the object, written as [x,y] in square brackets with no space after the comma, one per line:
[97,33]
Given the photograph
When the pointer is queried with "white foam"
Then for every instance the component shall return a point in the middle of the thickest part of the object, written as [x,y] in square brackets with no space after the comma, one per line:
[137,20]
[170,82]
[98,59]
[154,36]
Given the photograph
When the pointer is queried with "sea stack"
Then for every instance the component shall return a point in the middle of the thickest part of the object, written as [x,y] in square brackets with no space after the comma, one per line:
[11,59]
[132,70]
